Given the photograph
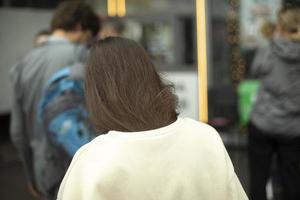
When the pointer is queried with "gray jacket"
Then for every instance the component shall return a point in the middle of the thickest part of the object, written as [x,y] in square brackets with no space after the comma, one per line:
[44,164]
[277,107]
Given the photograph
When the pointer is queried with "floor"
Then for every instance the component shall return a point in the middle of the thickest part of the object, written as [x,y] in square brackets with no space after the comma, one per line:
[12,179]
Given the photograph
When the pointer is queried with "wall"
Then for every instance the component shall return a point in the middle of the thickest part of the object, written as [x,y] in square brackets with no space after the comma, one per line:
[18,27]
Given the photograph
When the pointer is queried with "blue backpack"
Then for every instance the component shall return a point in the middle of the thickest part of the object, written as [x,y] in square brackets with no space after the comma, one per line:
[63,113]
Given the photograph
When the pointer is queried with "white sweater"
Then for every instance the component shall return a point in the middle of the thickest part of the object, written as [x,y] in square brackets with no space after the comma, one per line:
[185,160]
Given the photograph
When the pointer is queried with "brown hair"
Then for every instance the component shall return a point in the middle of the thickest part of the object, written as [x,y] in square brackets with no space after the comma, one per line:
[267,29]
[123,90]
[69,14]
[289,22]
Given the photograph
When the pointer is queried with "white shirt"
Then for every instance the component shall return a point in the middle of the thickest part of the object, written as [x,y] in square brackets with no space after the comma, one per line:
[185,160]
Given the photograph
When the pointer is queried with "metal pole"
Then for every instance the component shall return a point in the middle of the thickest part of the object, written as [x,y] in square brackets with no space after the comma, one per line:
[202,60]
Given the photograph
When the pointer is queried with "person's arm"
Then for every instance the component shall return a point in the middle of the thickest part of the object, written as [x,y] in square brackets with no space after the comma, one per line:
[67,184]
[18,132]
[234,187]
[261,64]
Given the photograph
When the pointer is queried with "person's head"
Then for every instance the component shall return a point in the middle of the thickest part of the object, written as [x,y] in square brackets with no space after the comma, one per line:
[41,37]
[77,19]
[267,29]
[123,90]
[112,27]
[289,22]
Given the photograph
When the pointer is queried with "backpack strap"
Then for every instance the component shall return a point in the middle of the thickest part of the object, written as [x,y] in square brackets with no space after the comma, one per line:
[59,75]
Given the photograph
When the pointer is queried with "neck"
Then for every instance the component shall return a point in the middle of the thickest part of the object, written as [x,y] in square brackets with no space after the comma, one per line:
[63,34]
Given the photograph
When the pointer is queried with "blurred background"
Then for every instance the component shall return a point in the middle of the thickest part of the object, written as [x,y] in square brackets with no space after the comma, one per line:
[167,29]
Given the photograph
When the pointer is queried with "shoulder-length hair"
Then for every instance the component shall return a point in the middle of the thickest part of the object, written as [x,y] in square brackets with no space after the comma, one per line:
[123,90]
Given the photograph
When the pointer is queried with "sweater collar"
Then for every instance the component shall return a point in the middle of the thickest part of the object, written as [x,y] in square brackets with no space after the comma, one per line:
[147,133]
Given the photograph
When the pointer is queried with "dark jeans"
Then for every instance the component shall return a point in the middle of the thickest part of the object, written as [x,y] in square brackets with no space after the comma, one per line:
[262,146]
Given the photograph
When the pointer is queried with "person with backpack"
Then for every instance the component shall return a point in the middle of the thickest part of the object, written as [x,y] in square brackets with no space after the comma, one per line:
[45,159]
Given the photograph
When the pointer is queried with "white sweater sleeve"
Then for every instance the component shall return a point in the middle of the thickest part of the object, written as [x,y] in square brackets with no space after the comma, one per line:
[235,189]
[60,194]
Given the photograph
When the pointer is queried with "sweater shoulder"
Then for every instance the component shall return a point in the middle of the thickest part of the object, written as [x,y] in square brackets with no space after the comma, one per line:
[200,127]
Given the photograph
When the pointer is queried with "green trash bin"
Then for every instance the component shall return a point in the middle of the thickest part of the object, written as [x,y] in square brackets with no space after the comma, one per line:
[247,91]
